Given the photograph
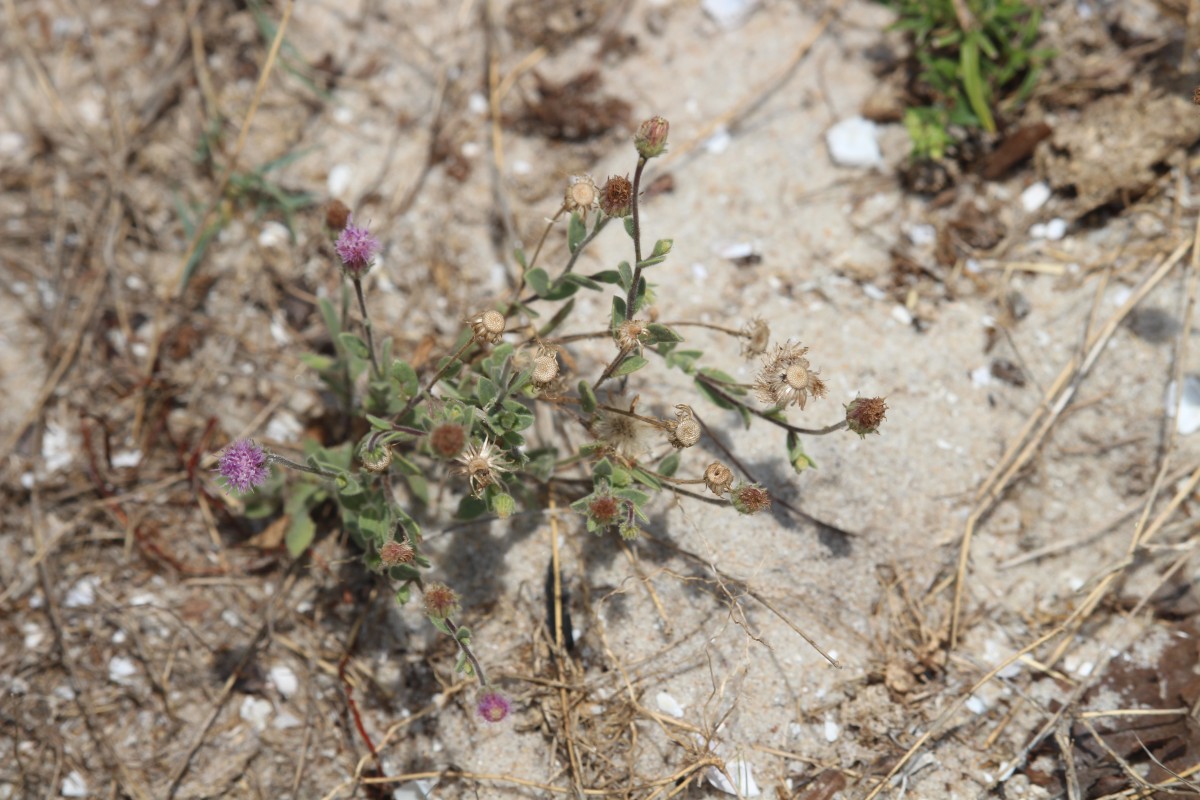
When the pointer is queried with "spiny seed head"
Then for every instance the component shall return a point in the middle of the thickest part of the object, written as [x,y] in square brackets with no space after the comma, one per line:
[750,498]
[786,378]
[357,249]
[375,459]
[337,214]
[616,198]
[440,601]
[757,335]
[581,195]
[718,478]
[487,327]
[244,466]
[865,414]
[394,553]
[492,706]
[447,439]
[651,137]
[684,430]
[604,510]
[482,464]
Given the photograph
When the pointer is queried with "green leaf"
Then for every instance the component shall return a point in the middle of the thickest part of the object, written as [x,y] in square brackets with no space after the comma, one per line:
[609,276]
[718,376]
[662,247]
[403,594]
[713,397]
[300,534]
[406,376]
[470,507]
[558,318]
[669,465]
[618,312]
[317,362]
[973,82]
[378,423]
[330,316]
[576,232]
[587,398]
[602,469]
[626,273]
[486,392]
[519,255]
[641,476]
[629,226]
[538,280]
[630,365]
[579,280]
[684,360]
[660,333]
[419,487]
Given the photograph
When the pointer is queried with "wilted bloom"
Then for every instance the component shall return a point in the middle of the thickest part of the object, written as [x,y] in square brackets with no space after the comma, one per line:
[244,466]
[718,478]
[394,553]
[750,498]
[684,430]
[481,464]
[581,195]
[545,367]
[865,414]
[357,248]
[375,459]
[757,334]
[447,439]
[440,601]
[337,214]
[786,378]
[623,433]
[616,198]
[487,326]
[651,137]
[629,335]
[493,706]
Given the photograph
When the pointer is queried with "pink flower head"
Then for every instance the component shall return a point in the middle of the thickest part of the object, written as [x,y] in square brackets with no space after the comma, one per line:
[493,706]
[357,248]
[243,465]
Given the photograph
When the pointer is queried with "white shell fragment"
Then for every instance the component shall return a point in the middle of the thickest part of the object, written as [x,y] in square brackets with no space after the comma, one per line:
[852,143]
[743,779]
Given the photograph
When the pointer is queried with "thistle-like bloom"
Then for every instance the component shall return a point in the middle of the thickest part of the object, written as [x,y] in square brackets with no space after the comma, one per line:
[684,430]
[448,439]
[616,198]
[394,553]
[357,248]
[750,498]
[865,414]
[244,466]
[482,463]
[786,378]
[487,326]
[493,706]
[440,601]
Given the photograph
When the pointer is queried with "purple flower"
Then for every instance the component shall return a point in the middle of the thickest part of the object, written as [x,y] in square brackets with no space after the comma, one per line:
[243,465]
[493,706]
[357,248]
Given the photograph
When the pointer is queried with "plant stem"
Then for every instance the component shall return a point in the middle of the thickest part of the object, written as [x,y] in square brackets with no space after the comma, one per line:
[575,256]
[466,651]
[715,387]
[608,371]
[637,242]
[274,458]
[710,326]
[362,306]
[441,373]
[658,423]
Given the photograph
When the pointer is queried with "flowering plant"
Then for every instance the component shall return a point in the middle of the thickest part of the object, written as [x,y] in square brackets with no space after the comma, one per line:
[471,416]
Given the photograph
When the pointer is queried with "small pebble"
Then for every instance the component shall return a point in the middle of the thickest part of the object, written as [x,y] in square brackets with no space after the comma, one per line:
[852,143]
[1035,196]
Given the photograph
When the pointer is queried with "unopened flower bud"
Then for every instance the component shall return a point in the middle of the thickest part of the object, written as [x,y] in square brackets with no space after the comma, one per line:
[503,505]
[750,498]
[718,478]
[865,414]
[487,327]
[357,248]
[629,532]
[651,137]
[440,601]
[394,553]
[616,198]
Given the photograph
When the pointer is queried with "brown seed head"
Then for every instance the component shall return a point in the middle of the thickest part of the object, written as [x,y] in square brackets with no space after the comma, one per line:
[865,414]
[337,214]
[604,510]
[394,553]
[545,369]
[581,195]
[375,459]
[750,498]
[616,198]
[447,439]
[487,327]
[684,430]
[757,335]
[629,334]
[718,478]
[786,378]
[440,600]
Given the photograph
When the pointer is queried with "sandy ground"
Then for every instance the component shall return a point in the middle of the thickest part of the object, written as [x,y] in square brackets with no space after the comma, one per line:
[129,595]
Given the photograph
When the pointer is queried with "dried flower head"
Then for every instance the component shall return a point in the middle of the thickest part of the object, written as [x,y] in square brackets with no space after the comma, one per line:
[394,553]
[684,430]
[757,335]
[482,464]
[651,137]
[623,433]
[448,439]
[545,367]
[629,335]
[375,459]
[581,195]
[337,214]
[357,248]
[750,498]
[616,198]
[492,706]
[487,326]
[244,466]
[718,478]
[786,377]
[604,510]
[865,414]
[440,601]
